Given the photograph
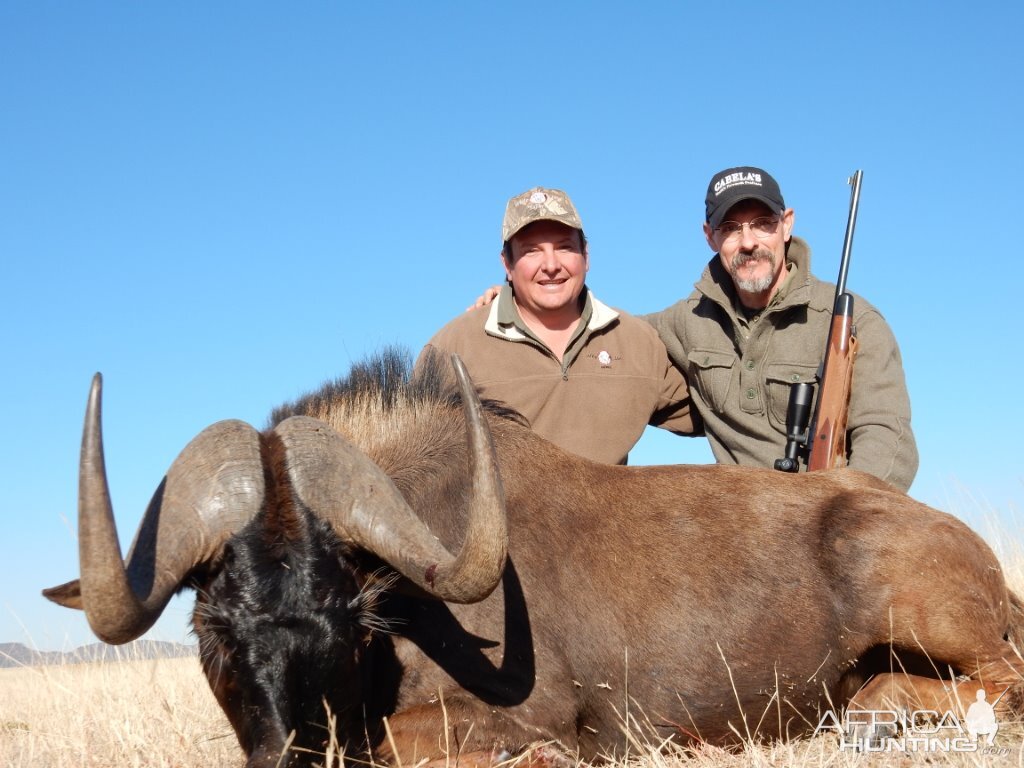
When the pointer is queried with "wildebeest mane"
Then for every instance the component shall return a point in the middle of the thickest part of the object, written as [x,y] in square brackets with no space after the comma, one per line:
[408,419]
[389,379]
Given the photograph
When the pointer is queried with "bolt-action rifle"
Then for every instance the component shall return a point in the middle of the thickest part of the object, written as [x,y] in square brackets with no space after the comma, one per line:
[824,442]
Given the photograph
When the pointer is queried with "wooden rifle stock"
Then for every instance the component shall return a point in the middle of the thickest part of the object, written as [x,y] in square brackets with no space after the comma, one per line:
[824,441]
[828,438]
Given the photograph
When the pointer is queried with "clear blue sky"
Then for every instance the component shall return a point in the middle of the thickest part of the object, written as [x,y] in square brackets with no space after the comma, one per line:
[220,205]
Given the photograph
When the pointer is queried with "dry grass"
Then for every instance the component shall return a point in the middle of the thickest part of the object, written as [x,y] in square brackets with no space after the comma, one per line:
[161,713]
[127,713]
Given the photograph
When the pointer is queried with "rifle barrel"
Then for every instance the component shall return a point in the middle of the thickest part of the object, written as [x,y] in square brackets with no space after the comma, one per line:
[851,224]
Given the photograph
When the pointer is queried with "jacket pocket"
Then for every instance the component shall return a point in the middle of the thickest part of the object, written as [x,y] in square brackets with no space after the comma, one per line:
[779,379]
[712,375]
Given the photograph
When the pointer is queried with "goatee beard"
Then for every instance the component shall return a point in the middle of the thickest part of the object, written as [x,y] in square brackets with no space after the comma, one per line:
[753,285]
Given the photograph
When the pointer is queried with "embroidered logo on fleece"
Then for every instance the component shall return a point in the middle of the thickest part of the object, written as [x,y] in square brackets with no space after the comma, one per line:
[604,358]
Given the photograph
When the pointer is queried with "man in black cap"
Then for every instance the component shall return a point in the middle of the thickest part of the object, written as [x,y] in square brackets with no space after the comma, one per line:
[757,322]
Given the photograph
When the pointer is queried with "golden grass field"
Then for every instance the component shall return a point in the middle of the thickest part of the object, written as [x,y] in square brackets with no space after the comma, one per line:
[161,713]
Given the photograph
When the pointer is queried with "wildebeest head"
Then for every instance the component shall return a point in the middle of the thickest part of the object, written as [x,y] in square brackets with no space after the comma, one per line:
[288,538]
[283,625]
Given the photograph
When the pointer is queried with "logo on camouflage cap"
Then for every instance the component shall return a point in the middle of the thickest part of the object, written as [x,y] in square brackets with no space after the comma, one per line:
[538,204]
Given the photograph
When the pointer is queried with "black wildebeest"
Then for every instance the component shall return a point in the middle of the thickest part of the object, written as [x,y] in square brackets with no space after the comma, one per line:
[689,602]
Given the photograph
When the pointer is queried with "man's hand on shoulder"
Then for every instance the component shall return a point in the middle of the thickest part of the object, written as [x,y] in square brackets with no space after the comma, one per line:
[486,298]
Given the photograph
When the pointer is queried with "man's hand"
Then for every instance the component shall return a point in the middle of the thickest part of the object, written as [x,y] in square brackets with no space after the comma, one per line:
[488,296]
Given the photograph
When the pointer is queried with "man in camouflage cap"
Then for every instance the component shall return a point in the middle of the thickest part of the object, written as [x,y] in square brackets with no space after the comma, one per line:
[587,377]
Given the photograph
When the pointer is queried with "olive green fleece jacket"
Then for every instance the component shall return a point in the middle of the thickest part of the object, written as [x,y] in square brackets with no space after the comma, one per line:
[740,370]
[614,379]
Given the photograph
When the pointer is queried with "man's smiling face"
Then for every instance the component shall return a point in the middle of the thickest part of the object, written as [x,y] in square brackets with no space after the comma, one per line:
[548,268]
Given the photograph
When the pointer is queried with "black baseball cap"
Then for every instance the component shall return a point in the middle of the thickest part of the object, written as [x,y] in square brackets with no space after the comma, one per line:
[734,185]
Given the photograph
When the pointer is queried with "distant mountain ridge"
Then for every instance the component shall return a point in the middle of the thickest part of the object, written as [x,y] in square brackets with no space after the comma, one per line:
[20,655]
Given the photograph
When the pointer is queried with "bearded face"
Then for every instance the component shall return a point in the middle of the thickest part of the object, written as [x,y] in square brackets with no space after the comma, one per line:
[754,271]
[753,251]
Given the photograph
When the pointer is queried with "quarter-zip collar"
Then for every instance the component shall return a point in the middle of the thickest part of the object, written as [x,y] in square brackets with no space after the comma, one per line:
[505,322]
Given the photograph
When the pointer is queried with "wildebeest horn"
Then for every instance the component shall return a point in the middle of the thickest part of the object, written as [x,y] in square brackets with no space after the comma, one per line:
[341,484]
[211,490]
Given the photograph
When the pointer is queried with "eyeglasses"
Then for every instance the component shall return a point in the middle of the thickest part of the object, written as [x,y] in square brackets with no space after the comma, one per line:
[761,227]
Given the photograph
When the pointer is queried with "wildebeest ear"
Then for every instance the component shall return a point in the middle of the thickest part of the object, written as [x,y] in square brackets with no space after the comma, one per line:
[69,595]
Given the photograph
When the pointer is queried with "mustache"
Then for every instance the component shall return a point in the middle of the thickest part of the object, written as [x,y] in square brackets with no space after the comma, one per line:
[757,254]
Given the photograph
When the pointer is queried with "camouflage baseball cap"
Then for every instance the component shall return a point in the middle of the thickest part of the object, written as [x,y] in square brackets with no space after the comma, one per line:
[538,204]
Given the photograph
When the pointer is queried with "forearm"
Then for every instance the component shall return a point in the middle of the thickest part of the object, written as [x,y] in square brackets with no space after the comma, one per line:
[887,451]
[879,438]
